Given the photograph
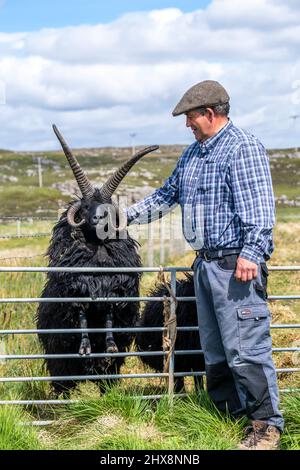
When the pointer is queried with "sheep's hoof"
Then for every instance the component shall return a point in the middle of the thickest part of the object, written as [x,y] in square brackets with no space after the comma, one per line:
[85,348]
[112,348]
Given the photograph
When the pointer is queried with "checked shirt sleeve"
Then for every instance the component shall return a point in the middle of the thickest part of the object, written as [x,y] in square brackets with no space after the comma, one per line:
[157,204]
[253,198]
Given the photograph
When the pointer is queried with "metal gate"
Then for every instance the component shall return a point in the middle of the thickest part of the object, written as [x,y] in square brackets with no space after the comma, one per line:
[171,299]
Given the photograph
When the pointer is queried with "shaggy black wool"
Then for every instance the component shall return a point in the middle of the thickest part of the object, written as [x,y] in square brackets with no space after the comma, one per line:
[186,314]
[76,248]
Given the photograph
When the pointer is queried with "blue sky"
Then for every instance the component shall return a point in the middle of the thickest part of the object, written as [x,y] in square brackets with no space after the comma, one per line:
[100,79]
[30,15]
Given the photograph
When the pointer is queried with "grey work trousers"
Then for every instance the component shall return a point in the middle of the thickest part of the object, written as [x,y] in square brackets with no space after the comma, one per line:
[234,326]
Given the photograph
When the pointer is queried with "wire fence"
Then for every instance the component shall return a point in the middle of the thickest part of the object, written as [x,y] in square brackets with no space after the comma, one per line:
[170,375]
[161,240]
[26,226]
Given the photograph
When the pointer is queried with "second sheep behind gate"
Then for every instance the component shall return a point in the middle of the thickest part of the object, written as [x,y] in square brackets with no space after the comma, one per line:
[186,315]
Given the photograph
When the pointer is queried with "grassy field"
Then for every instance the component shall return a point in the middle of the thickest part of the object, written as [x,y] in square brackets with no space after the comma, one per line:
[120,421]
[21,196]
[117,420]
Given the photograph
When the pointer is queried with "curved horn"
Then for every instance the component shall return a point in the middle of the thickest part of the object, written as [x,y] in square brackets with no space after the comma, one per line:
[71,215]
[84,184]
[113,182]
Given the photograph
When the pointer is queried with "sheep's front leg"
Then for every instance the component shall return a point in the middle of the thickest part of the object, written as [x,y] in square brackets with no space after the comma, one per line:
[111,346]
[85,345]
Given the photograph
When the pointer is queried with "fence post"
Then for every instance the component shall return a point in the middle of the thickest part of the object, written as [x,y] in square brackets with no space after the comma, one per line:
[171,240]
[150,245]
[172,334]
[2,350]
[40,172]
[161,242]
[18,228]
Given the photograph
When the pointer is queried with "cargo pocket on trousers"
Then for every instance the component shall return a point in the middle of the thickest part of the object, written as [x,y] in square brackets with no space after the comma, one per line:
[254,329]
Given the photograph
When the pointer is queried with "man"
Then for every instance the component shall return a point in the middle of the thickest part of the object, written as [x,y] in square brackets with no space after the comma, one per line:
[223,185]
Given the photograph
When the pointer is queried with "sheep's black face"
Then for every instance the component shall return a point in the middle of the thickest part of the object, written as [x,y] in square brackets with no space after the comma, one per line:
[94,214]
[97,219]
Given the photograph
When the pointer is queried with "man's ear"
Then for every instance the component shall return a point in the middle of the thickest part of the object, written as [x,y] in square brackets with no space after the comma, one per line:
[210,114]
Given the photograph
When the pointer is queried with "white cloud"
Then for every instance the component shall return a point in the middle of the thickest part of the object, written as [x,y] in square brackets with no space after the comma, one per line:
[265,14]
[101,82]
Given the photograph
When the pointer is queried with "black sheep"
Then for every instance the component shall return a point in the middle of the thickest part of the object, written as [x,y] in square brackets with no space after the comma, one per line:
[186,315]
[90,233]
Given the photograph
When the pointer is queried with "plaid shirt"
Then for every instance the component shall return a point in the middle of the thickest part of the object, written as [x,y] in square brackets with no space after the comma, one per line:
[224,188]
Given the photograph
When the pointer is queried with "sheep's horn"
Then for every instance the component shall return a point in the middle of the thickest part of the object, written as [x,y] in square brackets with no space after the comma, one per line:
[71,215]
[113,182]
[84,184]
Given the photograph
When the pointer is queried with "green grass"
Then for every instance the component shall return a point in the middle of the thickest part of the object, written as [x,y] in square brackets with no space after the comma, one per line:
[291,436]
[285,171]
[119,421]
[200,424]
[20,194]
[14,435]
[24,197]
[289,190]
[288,214]
[24,201]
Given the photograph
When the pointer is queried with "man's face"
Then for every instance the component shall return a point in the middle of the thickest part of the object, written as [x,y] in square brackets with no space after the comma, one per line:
[199,124]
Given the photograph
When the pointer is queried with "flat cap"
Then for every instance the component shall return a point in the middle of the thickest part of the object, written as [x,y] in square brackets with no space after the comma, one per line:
[206,93]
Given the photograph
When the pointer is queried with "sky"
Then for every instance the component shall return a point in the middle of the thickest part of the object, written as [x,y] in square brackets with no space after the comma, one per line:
[104,70]
[30,15]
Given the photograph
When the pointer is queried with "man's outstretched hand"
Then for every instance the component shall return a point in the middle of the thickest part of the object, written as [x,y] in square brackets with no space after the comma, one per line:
[245,270]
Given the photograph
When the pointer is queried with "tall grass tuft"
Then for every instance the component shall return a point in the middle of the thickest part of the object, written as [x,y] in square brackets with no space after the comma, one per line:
[13,434]
[201,424]
[291,411]
[114,401]
[118,421]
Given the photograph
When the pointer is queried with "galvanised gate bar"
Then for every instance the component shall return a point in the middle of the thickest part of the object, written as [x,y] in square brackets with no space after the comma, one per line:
[172,300]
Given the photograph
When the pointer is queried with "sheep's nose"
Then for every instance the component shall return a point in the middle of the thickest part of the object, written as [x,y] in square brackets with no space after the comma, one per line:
[95,219]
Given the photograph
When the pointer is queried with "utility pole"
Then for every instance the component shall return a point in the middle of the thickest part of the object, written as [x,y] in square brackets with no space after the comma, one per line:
[295,117]
[40,172]
[132,135]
